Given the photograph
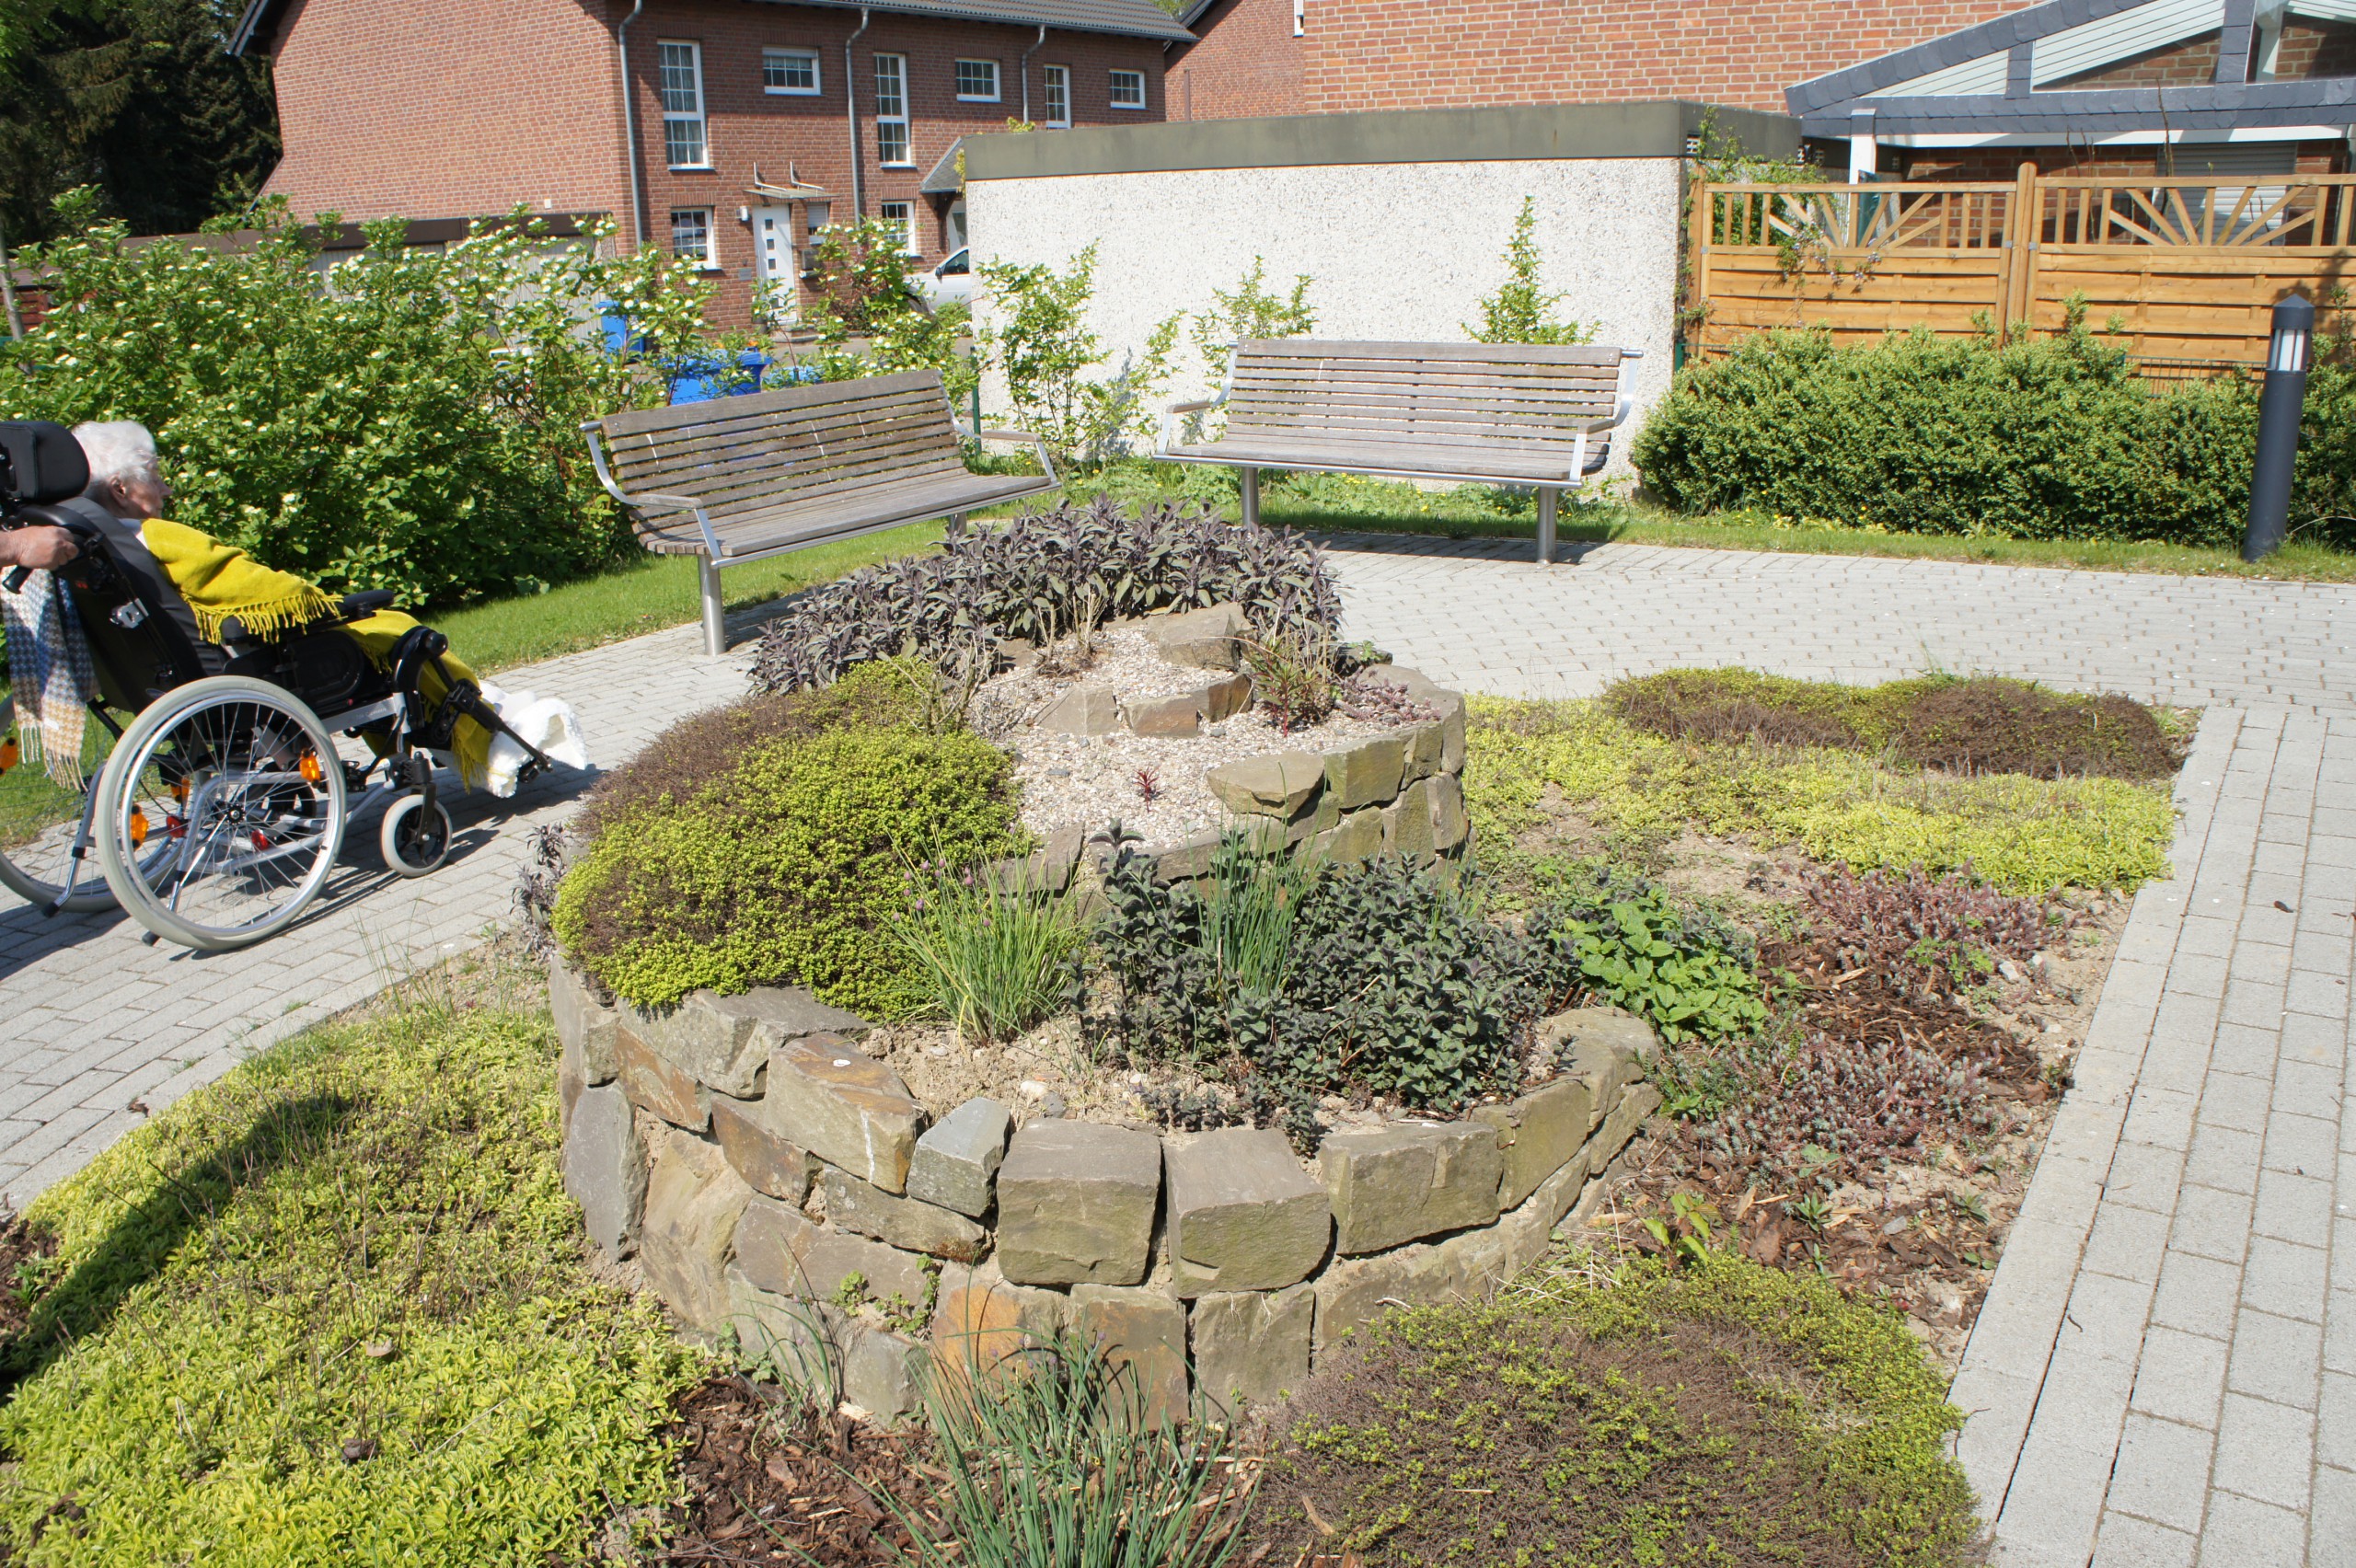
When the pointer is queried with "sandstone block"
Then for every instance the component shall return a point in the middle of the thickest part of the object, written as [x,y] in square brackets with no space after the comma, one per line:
[1606,1047]
[1367,772]
[1322,816]
[771,1240]
[1357,837]
[605,1169]
[1083,710]
[1407,823]
[1048,868]
[769,1164]
[1144,1331]
[1353,1292]
[582,1022]
[1075,1202]
[882,1372]
[1278,785]
[1225,697]
[569,1081]
[979,1319]
[1243,1213]
[693,1202]
[801,1341]
[1405,1182]
[1528,1229]
[1537,1133]
[1427,744]
[724,1042]
[955,1163]
[1451,731]
[1450,826]
[656,1085]
[1251,1347]
[854,1204]
[848,1109]
[1179,715]
[1639,1102]
[883,1273]
[1187,858]
[1203,638]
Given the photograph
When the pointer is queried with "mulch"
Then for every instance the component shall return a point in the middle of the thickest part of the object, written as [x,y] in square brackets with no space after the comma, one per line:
[20,1245]
[1902,1251]
[767,1484]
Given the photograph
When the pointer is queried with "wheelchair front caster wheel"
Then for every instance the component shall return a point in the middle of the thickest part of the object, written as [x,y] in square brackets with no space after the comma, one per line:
[415,839]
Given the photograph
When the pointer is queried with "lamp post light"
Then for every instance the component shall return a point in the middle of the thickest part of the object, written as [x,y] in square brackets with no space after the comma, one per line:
[2278,405]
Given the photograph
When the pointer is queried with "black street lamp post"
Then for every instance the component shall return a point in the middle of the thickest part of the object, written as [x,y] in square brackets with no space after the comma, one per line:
[2278,427]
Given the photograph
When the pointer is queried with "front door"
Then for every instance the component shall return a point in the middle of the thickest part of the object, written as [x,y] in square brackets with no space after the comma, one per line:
[773,245]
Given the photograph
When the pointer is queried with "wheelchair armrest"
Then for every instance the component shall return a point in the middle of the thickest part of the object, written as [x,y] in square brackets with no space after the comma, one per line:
[360,607]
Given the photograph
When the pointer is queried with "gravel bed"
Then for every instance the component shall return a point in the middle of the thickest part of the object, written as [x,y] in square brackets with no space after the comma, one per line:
[1088,782]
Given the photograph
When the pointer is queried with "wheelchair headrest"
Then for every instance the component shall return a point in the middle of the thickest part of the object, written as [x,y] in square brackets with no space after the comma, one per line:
[43,461]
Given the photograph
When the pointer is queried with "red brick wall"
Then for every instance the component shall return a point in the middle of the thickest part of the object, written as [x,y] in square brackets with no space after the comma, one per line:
[1247,63]
[1372,55]
[744,126]
[434,108]
[2315,48]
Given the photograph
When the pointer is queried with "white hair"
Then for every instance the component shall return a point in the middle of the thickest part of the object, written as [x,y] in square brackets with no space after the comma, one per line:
[117,449]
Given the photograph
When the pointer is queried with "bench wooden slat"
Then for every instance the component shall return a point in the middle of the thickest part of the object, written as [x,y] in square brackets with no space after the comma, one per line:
[1389,457]
[752,405]
[1492,353]
[1469,437]
[764,532]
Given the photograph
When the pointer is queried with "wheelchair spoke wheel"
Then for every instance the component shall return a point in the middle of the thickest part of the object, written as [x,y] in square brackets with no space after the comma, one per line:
[221,814]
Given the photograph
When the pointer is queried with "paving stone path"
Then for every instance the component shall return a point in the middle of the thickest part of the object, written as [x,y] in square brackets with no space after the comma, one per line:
[2166,1369]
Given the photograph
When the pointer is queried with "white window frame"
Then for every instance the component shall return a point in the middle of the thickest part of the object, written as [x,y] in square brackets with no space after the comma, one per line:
[993,96]
[1113,89]
[808,57]
[689,94]
[711,261]
[1057,87]
[906,218]
[892,87]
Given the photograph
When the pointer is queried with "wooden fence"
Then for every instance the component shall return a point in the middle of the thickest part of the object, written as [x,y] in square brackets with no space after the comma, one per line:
[2189,268]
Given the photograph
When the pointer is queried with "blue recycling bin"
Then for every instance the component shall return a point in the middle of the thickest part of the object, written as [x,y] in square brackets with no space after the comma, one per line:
[698,378]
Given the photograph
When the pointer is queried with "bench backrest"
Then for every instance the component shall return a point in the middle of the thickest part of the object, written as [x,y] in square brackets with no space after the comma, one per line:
[1522,397]
[742,456]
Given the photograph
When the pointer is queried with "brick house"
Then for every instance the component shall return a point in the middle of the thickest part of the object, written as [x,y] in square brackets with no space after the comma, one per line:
[1902,89]
[737,139]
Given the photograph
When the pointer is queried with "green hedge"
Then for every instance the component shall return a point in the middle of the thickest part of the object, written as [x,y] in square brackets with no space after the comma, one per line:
[2055,438]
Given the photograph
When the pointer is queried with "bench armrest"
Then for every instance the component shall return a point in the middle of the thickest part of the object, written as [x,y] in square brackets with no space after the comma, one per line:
[1046,463]
[1176,412]
[595,433]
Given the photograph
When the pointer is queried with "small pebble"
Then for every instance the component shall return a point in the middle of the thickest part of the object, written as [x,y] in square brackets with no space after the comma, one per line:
[1032,1089]
[1052,1107]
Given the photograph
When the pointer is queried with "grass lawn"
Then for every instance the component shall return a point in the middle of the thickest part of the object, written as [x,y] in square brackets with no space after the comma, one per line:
[334,1309]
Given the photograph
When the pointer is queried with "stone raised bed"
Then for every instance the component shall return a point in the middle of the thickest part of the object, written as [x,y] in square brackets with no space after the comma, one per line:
[769,1176]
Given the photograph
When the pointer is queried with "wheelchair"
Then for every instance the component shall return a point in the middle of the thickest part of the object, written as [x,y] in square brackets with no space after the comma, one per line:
[220,812]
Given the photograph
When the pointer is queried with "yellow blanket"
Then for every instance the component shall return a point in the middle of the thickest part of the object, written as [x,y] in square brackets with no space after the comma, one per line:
[220,580]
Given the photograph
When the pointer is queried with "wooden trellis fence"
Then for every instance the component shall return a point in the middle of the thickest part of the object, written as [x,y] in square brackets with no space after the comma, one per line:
[2187,268]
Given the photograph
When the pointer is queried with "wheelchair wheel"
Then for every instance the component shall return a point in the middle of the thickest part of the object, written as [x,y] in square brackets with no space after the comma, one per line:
[414,840]
[35,869]
[220,815]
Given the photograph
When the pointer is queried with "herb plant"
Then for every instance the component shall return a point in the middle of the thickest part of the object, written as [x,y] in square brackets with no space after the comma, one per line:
[988,950]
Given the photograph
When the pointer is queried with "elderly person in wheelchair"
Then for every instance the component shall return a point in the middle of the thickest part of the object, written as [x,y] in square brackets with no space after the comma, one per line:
[219,813]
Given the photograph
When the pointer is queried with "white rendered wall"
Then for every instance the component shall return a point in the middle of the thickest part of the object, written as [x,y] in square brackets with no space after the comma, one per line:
[1394,252]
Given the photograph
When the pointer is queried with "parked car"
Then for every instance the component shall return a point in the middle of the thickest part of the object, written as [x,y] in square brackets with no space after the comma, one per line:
[951,282]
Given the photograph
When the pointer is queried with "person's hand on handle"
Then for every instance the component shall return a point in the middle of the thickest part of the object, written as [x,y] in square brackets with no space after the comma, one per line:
[36,548]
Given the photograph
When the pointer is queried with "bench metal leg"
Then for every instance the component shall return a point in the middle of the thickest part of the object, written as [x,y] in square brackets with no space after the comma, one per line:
[1251,478]
[1547,497]
[715,636]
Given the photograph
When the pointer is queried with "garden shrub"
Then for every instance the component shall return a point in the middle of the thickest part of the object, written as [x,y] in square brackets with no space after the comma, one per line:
[332,1309]
[1039,575]
[1295,981]
[784,864]
[1987,725]
[415,428]
[1718,1412]
[2058,437]
[2025,835]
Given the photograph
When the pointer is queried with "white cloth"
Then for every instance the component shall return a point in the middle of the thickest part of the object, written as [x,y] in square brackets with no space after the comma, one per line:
[547,722]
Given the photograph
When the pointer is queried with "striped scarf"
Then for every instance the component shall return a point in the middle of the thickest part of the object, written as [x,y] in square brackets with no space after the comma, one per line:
[49,666]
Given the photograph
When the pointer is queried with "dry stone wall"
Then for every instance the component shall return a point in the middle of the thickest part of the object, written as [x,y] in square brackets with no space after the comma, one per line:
[773,1179]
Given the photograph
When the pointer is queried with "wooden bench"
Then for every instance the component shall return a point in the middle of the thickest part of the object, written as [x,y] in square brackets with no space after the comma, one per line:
[1500,413]
[742,479]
